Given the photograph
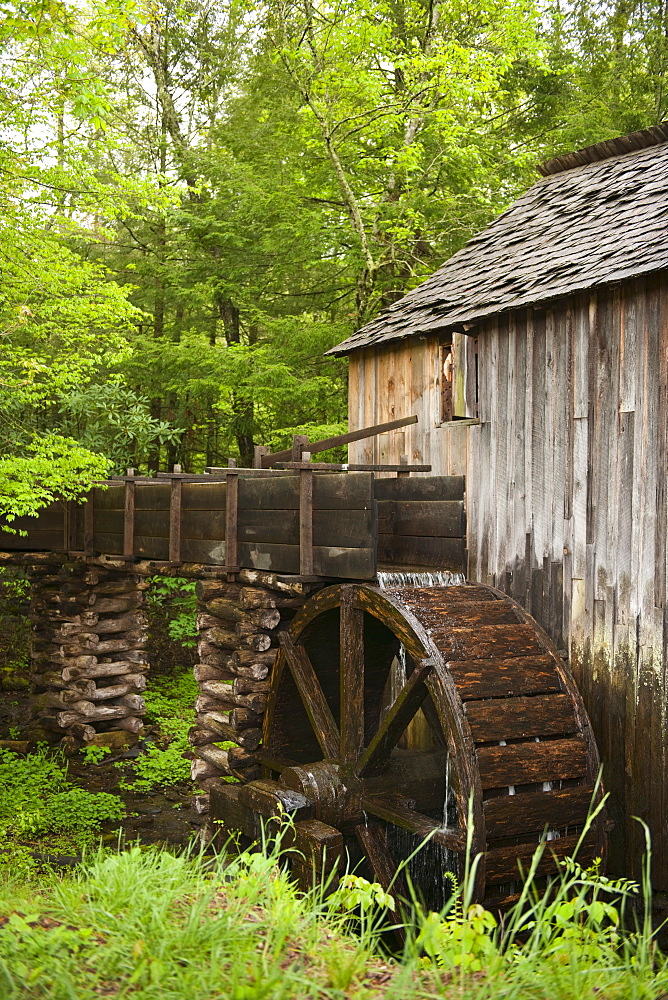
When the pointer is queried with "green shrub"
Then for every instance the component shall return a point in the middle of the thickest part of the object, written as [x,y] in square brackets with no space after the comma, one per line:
[170,704]
[37,798]
[176,597]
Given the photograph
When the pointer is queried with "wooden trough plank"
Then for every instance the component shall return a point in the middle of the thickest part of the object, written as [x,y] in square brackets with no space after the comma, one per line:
[512,815]
[520,718]
[502,864]
[501,678]
[425,488]
[152,497]
[49,539]
[436,519]
[525,763]
[407,550]
[330,492]
[148,547]
[112,498]
[111,542]
[203,496]
[347,563]
[148,523]
[48,519]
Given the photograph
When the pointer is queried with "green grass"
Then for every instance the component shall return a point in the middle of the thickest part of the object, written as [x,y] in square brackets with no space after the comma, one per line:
[150,925]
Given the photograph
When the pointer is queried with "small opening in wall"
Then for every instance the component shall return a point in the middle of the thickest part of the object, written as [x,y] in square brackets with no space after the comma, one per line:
[458,378]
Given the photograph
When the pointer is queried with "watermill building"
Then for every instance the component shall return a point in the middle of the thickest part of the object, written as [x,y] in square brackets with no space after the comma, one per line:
[537,360]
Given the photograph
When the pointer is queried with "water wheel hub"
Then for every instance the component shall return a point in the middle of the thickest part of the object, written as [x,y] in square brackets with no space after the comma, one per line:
[336,799]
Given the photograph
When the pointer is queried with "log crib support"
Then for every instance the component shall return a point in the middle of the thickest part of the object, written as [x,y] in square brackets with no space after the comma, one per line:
[238,625]
[88,639]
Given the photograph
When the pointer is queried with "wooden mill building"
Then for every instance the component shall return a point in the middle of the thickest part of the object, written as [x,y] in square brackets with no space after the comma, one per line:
[537,361]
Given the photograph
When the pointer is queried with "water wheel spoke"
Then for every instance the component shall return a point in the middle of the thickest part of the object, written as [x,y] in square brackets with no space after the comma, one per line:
[315,703]
[409,700]
[431,715]
[274,762]
[372,838]
[351,677]
[394,810]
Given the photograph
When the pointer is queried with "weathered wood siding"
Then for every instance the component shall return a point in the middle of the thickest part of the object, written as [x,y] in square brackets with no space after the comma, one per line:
[566,504]
[397,381]
[567,513]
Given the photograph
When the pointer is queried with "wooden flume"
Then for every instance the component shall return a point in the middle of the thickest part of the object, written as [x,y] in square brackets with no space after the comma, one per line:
[487,713]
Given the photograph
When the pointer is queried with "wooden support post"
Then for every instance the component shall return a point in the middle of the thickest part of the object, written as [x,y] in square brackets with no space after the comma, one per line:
[89,523]
[129,517]
[68,514]
[259,452]
[306,519]
[231,525]
[403,460]
[176,488]
[299,443]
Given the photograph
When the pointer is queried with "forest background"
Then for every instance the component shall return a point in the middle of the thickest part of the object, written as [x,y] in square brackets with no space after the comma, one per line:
[198,199]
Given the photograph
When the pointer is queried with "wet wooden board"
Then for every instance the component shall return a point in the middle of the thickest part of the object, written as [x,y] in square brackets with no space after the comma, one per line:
[512,815]
[447,488]
[520,718]
[505,677]
[40,539]
[503,864]
[328,561]
[487,641]
[526,763]
[438,518]
[414,550]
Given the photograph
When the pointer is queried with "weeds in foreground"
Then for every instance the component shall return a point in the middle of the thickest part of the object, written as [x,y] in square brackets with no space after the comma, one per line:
[149,924]
[37,798]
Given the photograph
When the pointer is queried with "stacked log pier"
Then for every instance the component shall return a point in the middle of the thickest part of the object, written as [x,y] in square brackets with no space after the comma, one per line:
[238,626]
[89,632]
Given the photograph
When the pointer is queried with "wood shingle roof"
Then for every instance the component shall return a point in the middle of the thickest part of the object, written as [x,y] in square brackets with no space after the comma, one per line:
[596,217]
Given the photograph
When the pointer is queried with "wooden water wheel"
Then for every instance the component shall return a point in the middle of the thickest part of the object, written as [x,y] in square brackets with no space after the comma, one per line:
[391,709]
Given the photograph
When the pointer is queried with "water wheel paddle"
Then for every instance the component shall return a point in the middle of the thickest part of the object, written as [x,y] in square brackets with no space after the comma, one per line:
[390,709]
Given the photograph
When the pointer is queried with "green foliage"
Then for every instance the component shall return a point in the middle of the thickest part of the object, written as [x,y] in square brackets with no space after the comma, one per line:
[354,892]
[160,767]
[93,755]
[37,798]
[170,705]
[176,596]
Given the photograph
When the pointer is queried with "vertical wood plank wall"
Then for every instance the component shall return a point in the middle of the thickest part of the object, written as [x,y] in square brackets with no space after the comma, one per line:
[566,498]
[566,506]
[397,382]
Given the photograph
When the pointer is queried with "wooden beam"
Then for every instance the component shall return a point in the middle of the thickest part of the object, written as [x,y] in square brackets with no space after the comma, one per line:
[335,442]
[392,810]
[232,525]
[89,523]
[404,470]
[312,696]
[306,522]
[351,677]
[176,490]
[394,724]
[129,516]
